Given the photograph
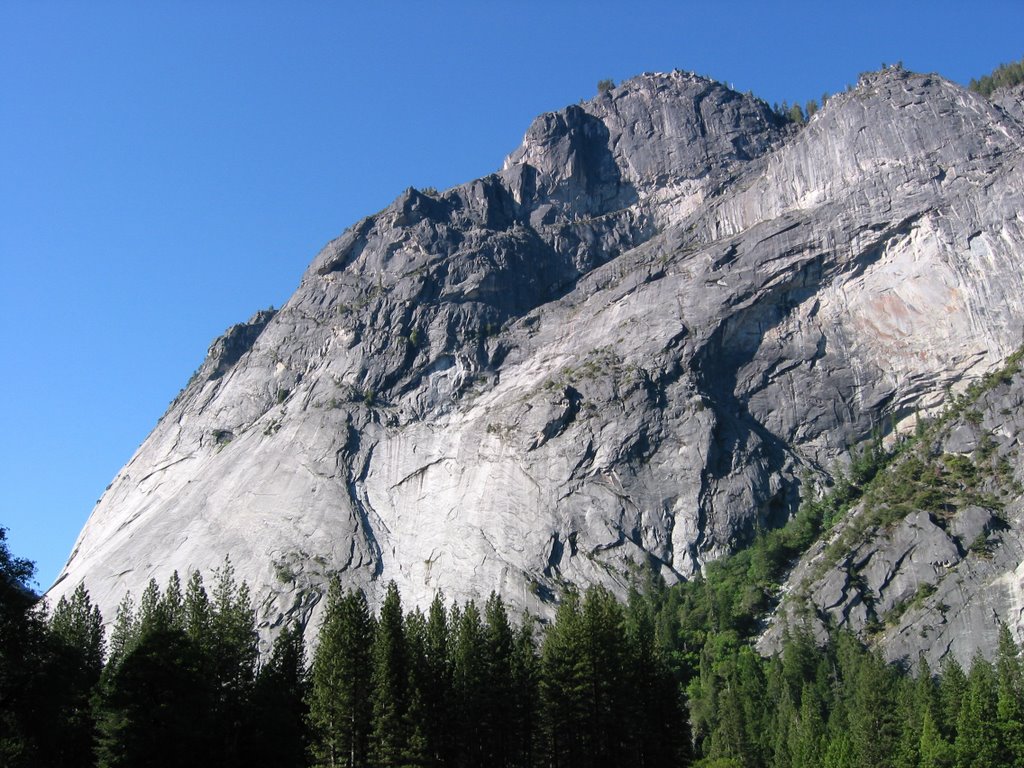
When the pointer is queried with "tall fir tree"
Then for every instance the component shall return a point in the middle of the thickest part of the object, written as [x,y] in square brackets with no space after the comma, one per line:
[340,687]
[841,752]
[918,699]
[754,690]
[416,753]
[197,610]
[148,616]
[605,669]
[468,687]
[152,710]
[783,718]
[22,650]
[655,717]
[171,605]
[496,700]
[978,743]
[952,693]
[564,689]
[277,734]
[437,685]
[933,749]
[1010,698]
[525,695]
[75,662]
[807,732]
[231,651]
[729,735]
[873,714]
[124,634]
[388,736]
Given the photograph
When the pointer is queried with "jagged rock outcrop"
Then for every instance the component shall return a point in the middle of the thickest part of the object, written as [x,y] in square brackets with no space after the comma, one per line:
[931,581]
[1011,100]
[620,351]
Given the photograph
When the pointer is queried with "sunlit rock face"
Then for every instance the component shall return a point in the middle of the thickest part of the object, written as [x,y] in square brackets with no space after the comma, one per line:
[934,582]
[621,351]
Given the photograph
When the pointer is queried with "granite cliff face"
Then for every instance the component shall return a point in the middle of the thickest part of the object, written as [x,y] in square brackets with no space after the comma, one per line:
[933,561]
[622,350]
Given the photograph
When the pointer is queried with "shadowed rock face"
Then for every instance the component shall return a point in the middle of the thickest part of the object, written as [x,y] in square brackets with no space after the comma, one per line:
[621,350]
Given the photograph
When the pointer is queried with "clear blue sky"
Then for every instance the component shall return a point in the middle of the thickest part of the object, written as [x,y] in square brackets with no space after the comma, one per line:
[166,169]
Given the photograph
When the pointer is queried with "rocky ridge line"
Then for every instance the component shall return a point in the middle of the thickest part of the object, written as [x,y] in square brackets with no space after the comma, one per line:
[620,351]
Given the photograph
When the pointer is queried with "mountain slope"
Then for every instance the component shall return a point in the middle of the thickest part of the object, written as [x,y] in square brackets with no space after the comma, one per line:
[621,350]
[930,560]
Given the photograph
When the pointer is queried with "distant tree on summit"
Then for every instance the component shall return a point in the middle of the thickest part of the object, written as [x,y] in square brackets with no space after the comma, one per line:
[603,86]
[1003,76]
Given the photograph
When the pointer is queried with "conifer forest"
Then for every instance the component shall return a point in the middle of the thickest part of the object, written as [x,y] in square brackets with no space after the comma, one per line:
[666,679]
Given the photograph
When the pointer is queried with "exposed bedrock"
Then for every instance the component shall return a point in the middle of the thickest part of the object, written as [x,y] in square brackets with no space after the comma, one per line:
[620,351]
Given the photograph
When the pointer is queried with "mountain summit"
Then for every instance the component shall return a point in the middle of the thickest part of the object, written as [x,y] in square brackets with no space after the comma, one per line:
[629,348]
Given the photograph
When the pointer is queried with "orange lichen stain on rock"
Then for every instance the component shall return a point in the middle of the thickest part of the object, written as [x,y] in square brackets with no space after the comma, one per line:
[890,317]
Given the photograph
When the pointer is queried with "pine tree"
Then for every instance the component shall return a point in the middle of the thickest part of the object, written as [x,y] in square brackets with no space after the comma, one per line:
[874,724]
[800,656]
[564,689]
[417,750]
[73,666]
[952,692]
[934,751]
[841,752]
[919,699]
[977,739]
[339,696]
[583,683]
[231,652]
[437,685]
[655,716]
[171,605]
[525,673]
[926,691]
[784,718]
[1009,705]
[197,609]
[604,663]
[390,680]
[277,736]
[148,616]
[702,699]
[729,734]
[77,623]
[753,693]
[22,650]
[496,699]
[152,709]
[468,687]
[124,635]
[806,734]
[109,719]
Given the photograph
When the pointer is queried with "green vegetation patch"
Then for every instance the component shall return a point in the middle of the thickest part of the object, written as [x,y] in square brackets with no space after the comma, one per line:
[1003,76]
